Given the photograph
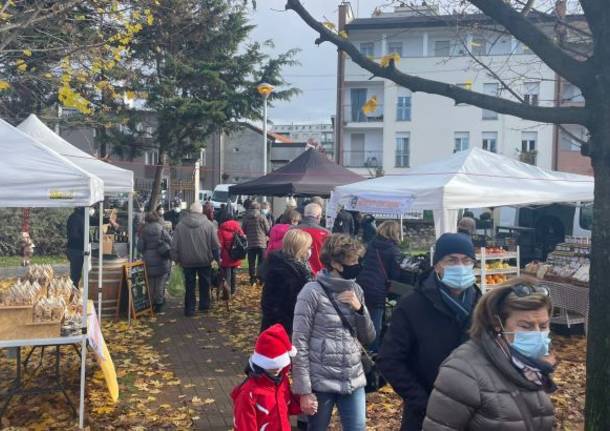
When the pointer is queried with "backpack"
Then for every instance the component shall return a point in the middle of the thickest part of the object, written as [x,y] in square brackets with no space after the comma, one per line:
[239,248]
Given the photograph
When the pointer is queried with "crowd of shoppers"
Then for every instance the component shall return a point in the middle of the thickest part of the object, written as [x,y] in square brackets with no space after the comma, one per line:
[459,359]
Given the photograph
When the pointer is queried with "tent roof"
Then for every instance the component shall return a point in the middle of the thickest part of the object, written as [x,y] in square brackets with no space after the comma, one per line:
[116,180]
[475,179]
[33,175]
[310,174]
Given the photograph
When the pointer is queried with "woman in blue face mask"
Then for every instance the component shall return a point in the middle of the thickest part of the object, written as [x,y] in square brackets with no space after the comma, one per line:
[502,375]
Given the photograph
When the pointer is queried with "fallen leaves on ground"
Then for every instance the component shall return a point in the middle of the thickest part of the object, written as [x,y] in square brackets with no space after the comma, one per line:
[143,379]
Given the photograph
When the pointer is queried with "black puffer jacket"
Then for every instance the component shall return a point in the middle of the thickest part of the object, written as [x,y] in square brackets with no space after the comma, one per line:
[423,332]
[381,263]
[283,279]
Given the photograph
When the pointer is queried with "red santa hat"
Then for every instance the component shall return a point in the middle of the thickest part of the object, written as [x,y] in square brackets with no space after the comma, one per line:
[273,348]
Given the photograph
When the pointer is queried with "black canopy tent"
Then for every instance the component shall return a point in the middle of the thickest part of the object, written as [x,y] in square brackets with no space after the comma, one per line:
[310,174]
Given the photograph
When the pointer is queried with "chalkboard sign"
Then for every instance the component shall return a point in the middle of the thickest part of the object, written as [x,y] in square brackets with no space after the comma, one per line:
[135,288]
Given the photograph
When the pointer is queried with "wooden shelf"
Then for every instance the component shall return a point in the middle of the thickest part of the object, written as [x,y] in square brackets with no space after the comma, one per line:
[503,256]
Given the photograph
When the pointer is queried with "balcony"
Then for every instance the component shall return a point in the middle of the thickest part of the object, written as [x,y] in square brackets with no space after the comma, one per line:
[363,159]
[354,114]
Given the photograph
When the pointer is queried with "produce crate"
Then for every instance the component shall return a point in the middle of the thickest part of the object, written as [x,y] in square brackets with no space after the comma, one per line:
[14,316]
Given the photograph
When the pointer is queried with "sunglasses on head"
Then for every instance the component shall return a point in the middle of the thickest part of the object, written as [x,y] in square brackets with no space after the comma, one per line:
[522,290]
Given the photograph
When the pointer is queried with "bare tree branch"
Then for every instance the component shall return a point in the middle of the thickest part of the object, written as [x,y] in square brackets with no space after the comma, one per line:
[556,115]
[536,40]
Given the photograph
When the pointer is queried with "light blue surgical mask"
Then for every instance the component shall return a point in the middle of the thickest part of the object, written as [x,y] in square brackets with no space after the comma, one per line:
[533,344]
[458,276]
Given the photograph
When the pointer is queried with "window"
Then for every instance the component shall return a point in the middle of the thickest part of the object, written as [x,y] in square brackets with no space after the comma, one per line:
[567,142]
[395,47]
[500,46]
[478,46]
[442,48]
[528,141]
[490,141]
[403,108]
[402,150]
[356,154]
[461,141]
[151,158]
[491,89]
[531,93]
[367,49]
[358,99]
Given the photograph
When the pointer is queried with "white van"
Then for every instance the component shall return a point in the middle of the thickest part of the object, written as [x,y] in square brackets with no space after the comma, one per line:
[205,195]
[221,196]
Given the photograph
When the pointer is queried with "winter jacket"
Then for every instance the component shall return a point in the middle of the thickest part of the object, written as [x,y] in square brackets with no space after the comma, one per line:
[328,357]
[479,389]
[151,237]
[226,233]
[75,228]
[259,403]
[256,228]
[276,236]
[368,227]
[344,223]
[283,279]
[318,236]
[381,264]
[195,242]
[422,333]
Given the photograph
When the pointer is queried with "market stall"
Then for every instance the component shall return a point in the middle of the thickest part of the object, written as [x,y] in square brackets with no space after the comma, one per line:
[566,274]
[310,174]
[468,179]
[116,181]
[34,176]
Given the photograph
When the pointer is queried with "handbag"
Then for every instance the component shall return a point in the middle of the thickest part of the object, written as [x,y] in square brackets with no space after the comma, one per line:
[164,249]
[374,378]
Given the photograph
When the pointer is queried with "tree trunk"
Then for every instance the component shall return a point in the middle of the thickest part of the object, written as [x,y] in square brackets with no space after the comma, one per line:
[597,409]
[156,188]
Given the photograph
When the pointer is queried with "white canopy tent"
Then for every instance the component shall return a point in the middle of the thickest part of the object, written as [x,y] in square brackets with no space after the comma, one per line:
[33,175]
[116,180]
[468,179]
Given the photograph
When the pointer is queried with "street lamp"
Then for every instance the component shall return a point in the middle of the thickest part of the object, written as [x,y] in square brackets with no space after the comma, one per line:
[265,90]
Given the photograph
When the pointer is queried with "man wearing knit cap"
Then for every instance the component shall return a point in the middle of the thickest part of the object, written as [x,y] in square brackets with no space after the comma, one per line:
[429,324]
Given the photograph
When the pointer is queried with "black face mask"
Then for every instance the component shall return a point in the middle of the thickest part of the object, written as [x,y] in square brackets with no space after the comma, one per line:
[350,271]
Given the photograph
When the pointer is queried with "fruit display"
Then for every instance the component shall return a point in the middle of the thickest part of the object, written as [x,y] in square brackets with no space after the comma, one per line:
[497,265]
[568,262]
[492,280]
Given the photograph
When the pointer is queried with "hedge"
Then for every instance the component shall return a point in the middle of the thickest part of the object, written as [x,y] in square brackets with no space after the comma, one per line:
[47,230]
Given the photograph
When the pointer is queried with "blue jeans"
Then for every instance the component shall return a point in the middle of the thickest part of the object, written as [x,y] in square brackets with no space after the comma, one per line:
[377,318]
[352,411]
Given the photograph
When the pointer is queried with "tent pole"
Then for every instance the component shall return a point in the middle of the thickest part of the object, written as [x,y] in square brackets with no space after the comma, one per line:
[100,261]
[402,236]
[83,353]
[130,239]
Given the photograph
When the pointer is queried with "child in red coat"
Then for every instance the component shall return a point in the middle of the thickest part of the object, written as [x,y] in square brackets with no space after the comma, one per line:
[263,402]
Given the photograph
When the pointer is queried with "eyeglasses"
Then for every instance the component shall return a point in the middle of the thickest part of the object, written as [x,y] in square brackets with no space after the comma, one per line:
[454,260]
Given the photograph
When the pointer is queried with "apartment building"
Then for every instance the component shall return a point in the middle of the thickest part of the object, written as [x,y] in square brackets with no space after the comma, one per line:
[406,129]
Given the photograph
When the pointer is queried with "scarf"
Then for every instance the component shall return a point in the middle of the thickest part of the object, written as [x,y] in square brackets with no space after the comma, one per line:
[460,306]
[534,370]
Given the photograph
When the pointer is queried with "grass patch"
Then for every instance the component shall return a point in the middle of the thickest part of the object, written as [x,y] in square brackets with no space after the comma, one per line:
[6,261]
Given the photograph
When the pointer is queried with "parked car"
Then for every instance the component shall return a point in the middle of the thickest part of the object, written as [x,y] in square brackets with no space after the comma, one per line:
[221,196]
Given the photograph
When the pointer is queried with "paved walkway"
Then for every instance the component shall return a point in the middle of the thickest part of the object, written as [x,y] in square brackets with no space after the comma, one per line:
[203,360]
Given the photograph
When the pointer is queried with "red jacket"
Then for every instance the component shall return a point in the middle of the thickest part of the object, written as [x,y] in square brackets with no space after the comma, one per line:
[318,236]
[276,236]
[226,231]
[259,404]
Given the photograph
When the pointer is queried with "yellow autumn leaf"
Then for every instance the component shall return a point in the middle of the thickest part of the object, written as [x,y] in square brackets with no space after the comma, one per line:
[329,25]
[343,34]
[22,67]
[386,59]
[27,52]
[370,106]
[4,85]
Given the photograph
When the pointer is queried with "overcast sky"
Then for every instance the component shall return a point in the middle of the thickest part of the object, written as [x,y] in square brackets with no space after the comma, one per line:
[316,76]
